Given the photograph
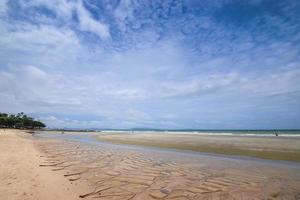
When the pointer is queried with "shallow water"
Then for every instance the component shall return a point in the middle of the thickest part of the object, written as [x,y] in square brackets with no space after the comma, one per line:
[88,138]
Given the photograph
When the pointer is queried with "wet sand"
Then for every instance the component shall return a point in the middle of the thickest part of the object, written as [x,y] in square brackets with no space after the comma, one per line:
[269,147]
[121,172]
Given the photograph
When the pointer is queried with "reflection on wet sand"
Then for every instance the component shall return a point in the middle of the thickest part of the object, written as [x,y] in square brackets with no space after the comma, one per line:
[117,173]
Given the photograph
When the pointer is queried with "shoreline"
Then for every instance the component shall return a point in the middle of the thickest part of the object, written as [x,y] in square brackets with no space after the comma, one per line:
[91,139]
[274,148]
[57,168]
[242,133]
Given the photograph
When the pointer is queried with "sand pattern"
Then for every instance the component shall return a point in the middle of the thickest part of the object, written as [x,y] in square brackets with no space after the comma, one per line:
[129,175]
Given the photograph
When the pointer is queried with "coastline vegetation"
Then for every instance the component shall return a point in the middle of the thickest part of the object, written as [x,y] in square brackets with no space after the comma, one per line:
[19,121]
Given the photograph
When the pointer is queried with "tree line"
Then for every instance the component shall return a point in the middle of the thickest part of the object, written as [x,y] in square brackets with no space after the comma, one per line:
[19,121]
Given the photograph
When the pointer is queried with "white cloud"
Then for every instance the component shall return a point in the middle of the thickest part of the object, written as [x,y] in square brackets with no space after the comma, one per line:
[87,23]
[30,86]
[137,115]
[38,45]
[3,7]
[64,10]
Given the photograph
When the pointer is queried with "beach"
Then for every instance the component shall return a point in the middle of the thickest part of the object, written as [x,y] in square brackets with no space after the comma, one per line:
[269,147]
[51,165]
[22,178]
[149,100]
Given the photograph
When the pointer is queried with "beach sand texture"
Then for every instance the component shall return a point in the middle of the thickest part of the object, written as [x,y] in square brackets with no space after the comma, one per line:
[21,176]
[270,147]
[114,172]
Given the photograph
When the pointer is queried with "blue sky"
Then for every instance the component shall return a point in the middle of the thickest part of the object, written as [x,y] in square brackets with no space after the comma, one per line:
[211,64]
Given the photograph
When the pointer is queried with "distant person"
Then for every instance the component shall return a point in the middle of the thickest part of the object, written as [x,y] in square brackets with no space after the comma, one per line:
[276,134]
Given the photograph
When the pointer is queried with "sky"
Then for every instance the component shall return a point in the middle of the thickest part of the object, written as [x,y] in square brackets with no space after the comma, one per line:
[172,64]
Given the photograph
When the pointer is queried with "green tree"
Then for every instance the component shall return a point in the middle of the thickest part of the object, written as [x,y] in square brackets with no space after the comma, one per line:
[11,121]
[3,122]
[20,121]
[3,115]
[38,124]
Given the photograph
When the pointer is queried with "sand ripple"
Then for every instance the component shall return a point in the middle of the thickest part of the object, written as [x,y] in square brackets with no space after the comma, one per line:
[123,175]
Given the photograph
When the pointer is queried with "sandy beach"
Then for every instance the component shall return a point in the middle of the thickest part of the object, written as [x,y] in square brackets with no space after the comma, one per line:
[76,166]
[22,177]
[269,147]
[149,100]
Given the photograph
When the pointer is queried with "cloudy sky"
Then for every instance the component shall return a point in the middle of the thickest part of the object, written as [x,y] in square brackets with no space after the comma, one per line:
[209,64]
